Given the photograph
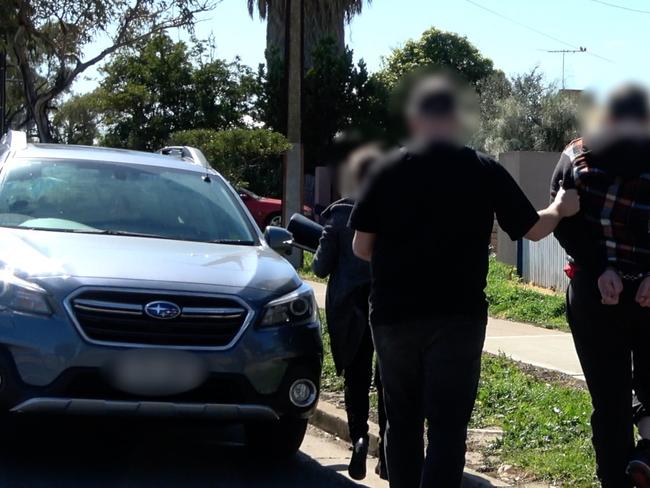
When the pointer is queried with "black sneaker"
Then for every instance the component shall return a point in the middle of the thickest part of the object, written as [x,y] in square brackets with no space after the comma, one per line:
[357,468]
[638,469]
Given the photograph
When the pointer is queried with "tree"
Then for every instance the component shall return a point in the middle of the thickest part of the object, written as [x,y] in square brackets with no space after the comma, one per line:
[435,49]
[246,157]
[337,95]
[160,86]
[532,117]
[75,121]
[323,19]
[48,38]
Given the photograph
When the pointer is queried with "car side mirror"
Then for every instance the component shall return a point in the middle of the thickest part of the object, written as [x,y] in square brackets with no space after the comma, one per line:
[279,239]
[243,196]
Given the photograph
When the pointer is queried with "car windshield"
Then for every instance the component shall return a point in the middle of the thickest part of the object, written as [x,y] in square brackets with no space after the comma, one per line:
[121,199]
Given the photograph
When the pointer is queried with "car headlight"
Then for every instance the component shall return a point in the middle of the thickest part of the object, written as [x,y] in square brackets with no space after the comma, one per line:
[296,308]
[20,295]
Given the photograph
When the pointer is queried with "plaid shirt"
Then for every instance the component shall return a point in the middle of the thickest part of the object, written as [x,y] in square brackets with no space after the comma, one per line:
[615,207]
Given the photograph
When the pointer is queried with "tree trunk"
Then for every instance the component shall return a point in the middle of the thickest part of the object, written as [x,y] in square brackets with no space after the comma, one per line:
[322,19]
[42,121]
[36,105]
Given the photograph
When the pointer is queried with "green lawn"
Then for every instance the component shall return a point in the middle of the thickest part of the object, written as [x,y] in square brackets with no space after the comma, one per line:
[510,298]
[546,424]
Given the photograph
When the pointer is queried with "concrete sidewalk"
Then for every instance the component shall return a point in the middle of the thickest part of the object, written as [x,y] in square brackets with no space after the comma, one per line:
[549,349]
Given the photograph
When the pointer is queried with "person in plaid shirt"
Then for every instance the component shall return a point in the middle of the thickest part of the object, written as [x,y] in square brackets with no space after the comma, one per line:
[608,299]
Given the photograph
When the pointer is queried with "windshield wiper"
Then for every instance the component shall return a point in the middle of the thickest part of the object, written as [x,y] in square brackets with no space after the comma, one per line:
[112,232]
[232,242]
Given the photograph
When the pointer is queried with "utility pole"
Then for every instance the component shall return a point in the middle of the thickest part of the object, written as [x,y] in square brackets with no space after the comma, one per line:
[292,201]
[564,52]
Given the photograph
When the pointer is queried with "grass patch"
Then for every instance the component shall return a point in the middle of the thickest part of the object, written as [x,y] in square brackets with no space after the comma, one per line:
[305,270]
[329,379]
[546,425]
[510,298]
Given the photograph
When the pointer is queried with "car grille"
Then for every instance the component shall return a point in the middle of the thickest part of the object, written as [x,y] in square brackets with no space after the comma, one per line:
[110,316]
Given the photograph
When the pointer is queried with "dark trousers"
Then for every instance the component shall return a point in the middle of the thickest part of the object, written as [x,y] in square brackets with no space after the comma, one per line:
[613,346]
[358,380]
[430,370]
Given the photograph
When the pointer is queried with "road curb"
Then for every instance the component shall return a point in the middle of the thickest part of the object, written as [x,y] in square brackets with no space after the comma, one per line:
[333,420]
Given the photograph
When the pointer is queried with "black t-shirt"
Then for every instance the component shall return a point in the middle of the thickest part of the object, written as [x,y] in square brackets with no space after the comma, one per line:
[432,211]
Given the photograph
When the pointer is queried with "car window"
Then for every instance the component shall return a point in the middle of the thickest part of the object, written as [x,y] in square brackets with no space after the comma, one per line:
[87,196]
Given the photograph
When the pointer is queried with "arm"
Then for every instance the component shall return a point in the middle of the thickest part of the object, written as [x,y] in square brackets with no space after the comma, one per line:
[573,233]
[327,253]
[363,245]
[566,204]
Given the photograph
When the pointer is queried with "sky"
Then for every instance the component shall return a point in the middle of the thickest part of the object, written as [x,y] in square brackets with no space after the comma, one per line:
[613,31]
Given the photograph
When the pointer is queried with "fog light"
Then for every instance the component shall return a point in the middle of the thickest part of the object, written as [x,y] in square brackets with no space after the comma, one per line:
[302,393]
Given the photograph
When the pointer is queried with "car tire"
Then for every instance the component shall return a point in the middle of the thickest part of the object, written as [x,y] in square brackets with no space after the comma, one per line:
[280,440]
[275,220]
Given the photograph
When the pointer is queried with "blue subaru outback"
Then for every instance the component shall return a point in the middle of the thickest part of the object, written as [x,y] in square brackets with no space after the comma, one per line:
[134,284]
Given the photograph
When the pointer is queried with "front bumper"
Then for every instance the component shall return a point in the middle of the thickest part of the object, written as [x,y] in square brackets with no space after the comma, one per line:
[80,406]
[46,365]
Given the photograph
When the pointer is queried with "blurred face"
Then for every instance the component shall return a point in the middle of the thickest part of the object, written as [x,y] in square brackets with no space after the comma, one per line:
[431,129]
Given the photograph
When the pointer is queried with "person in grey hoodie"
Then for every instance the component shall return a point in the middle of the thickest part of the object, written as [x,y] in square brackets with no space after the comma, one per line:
[347,310]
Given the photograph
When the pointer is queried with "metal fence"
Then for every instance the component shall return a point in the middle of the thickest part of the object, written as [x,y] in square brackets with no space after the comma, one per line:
[542,263]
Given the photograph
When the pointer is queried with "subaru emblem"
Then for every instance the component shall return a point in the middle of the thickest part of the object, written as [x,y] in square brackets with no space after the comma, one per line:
[162,310]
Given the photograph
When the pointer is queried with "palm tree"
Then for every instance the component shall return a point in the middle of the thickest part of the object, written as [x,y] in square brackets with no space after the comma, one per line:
[323,18]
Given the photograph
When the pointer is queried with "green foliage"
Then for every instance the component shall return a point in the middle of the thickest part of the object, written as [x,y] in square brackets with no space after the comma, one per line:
[48,40]
[436,49]
[75,121]
[337,94]
[510,298]
[161,86]
[246,157]
[546,425]
[305,270]
[531,117]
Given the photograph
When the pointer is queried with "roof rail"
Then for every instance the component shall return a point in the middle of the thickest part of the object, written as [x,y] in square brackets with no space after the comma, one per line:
[15,139]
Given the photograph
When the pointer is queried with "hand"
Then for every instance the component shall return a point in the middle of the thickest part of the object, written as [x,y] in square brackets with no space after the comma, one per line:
[610,286]
[643,295]
[567,202]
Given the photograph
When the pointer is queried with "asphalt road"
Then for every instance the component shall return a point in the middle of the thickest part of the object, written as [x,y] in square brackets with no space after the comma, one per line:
[161,454]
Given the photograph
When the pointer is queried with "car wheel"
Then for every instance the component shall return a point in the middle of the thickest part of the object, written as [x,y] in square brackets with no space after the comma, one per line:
[278,440]
[274,220]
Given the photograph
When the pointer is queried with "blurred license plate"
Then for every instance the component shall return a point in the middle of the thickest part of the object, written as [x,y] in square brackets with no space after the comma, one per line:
[156,373]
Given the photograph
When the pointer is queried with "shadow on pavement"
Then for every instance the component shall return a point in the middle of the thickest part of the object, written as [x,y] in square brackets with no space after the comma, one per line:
[100,453]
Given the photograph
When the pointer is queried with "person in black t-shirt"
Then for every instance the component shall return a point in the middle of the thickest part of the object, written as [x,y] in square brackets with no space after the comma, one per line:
[424,222]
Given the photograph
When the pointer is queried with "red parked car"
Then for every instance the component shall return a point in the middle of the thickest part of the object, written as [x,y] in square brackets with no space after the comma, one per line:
[266,211]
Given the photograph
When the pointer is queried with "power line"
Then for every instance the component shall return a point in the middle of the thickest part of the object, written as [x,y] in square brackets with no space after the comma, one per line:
[621,7]
[537,31]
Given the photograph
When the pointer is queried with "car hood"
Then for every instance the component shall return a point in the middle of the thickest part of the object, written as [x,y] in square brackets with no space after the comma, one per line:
[42,254]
